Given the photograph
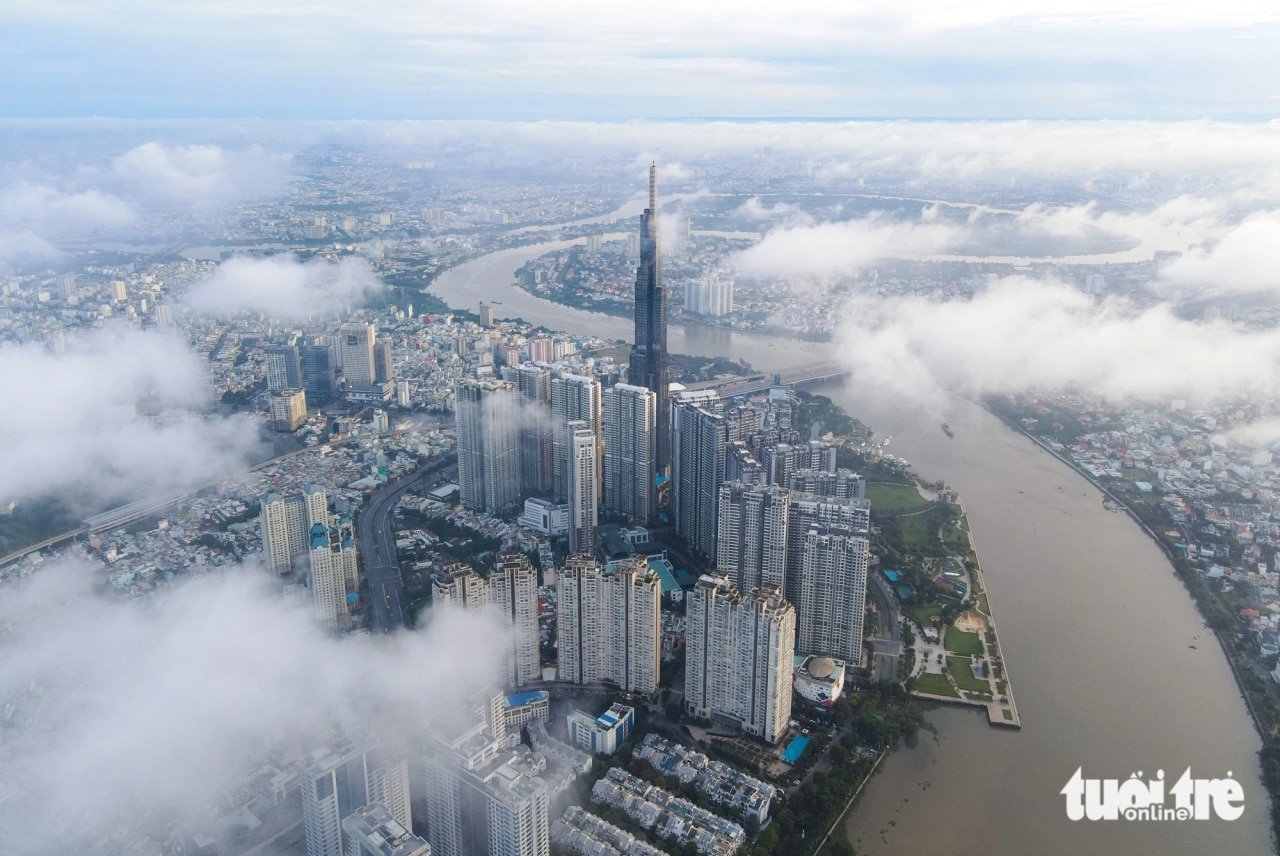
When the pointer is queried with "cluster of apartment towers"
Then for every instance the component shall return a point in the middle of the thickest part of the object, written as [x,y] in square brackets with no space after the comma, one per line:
[786,529]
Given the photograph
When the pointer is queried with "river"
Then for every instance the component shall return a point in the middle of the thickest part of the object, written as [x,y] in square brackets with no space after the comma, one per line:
[1111,666]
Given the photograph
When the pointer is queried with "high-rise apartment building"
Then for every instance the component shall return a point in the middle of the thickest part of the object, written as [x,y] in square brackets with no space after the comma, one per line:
[804,512]
[334,570]
[459,585]
[356,341]
[710,295]
[513,590]
[609,623]
[841,484]
[582,485]
[630,436]
[383,361]
[573,398]
[288,409]
[337,781]
[476,801]
[648,364]
[371,830]
[751,541]
[488,424]
[537,453]
[739,656]
[698,454]
[833,592]
[286,526]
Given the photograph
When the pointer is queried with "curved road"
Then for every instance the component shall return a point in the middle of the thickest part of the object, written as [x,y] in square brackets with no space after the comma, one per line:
[377,546]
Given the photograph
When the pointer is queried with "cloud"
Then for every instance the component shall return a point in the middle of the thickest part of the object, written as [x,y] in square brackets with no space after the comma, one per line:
[832,249]
[202,174]
[1244,259]
[115,417]
[755,209]
[1260,433]
[1022,335]
[281,286]
[142,712]
[25,247]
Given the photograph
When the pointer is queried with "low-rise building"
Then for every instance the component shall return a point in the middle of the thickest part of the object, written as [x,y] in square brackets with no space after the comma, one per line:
[602,734]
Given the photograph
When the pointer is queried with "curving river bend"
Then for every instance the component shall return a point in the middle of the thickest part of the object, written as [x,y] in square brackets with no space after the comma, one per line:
[1111,665]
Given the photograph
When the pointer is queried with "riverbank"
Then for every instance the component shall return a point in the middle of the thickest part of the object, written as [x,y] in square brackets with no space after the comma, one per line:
[1269,755]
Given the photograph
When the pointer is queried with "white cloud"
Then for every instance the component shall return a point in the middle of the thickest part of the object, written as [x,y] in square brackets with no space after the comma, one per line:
[140,712]
[283,287]
[1244,259]
[832,249]
[1024,335]
[115,417]
[196,174]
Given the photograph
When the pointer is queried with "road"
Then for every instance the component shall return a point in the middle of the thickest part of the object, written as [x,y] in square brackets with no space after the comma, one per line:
[377,545]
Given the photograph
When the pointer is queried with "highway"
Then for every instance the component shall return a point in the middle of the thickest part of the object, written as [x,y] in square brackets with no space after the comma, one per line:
[388,608]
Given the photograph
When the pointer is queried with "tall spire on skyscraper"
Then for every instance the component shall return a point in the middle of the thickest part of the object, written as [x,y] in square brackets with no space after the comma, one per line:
[653,186]
[648,367]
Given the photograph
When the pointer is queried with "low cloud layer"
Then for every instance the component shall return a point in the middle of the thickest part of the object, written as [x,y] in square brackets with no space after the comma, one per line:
[197,174]
[130,714]
[834,249]
[1243,260]
[115,417]
[284,287]
[1022,334]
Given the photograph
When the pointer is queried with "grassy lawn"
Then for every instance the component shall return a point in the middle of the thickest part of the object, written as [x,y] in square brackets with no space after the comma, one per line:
[983,605]
[935,685]
[963,675]
[921,614]
[917,534]
[959,642]
[956,538]
[895,497]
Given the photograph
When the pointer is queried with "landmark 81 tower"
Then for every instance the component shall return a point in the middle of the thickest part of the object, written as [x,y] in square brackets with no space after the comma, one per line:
[648,366]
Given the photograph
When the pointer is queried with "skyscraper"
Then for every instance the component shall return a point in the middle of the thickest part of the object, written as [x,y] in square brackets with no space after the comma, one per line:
[833,591]
[337,781]
[609,623]
[284,368]
[739,656]
[459,585]
[475,801]
[318,369]
[698,452]
[751,540]
[537,455]
[804,512]
[383,363]
[488,445]
[334,570]
[356,343]
[371,831]
[630,435]
[513,590]
[288,409]
[286,526]
[573,397]
[582,484]
[648,365]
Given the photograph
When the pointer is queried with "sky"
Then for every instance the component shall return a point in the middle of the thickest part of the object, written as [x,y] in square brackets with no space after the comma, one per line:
[574,59]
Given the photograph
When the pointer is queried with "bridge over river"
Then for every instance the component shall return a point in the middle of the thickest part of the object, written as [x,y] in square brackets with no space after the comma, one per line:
[750,384]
